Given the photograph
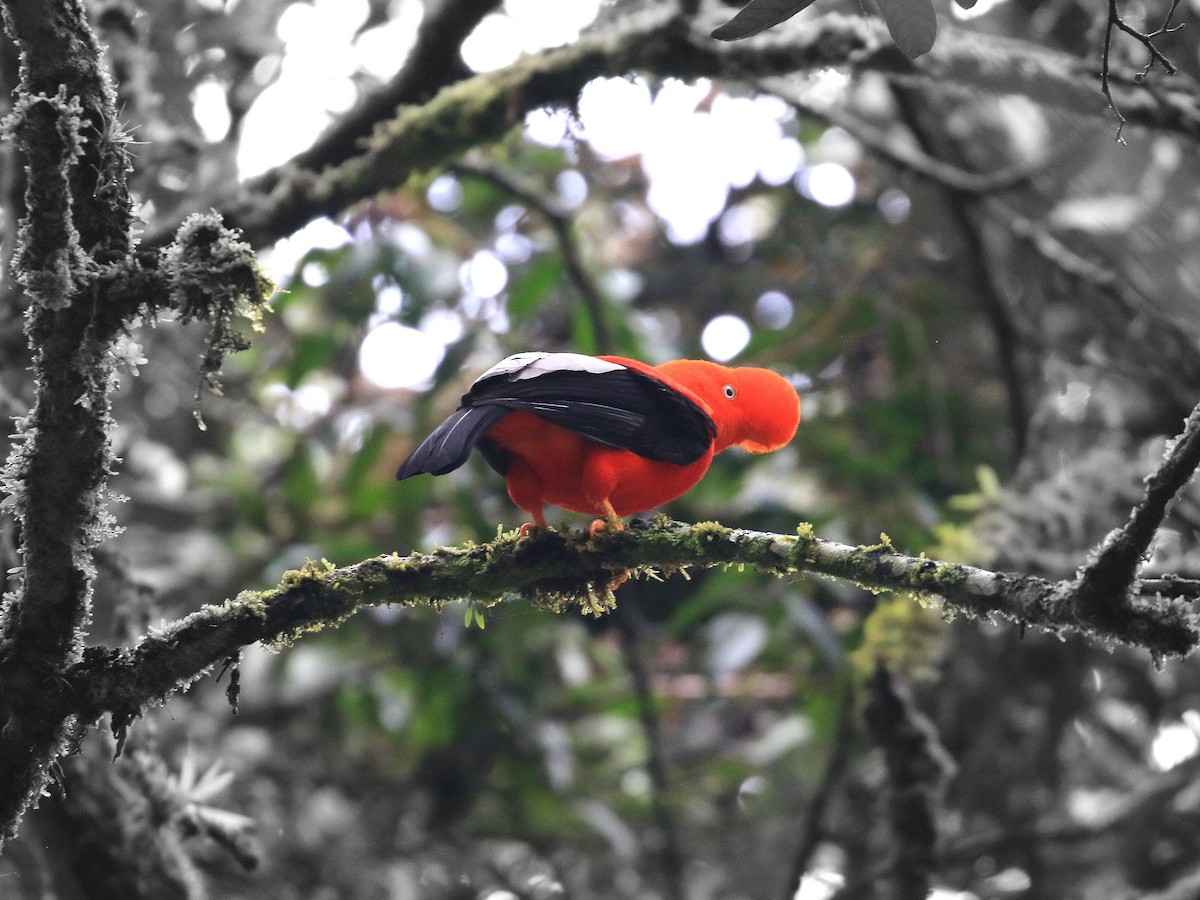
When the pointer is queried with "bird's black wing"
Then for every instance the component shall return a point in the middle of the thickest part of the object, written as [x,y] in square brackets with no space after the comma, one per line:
[451,443]
[621,408]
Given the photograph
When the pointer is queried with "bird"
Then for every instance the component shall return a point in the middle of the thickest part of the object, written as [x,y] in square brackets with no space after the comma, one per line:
[607,436]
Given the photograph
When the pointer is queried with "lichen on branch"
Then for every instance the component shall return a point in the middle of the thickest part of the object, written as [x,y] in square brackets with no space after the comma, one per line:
[213,276]
[77,222]
[48,261]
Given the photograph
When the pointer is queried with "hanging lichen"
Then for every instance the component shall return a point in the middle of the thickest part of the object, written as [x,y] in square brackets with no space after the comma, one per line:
[214,276]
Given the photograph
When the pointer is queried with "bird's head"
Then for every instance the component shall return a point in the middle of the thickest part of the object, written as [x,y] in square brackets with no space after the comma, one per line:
[755,409]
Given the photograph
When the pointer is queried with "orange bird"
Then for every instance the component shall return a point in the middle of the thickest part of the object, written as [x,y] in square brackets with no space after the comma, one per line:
[605,435]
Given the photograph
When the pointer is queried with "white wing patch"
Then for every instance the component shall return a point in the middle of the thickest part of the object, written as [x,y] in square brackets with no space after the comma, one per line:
[533,363]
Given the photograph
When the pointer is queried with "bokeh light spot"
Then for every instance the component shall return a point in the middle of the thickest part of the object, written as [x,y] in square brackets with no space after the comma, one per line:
[445,194]
[494,44]
[773,309]
[780,160]
[829,184]
[211,110]
[484,274]
[572,189]
[894,205]
[1174,743]
[396,356]
[547,127]
[615,116]
[724,337]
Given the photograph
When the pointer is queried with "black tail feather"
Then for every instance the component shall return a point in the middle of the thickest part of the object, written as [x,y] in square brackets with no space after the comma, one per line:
[451,443]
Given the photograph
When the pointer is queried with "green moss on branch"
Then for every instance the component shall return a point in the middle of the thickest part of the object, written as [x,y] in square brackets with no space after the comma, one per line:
[560,569]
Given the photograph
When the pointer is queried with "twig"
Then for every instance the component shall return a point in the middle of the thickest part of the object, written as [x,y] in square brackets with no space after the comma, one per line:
[1170,586]
[433,62]
[563,226]
[900,154]
[982,270]
[1147,40]
[1142,801]
[1175,381]
[671,855]
[1105,84]
[1103,585]
[812,828]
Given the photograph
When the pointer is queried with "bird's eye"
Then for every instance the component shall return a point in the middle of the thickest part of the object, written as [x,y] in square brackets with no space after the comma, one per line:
[730,391]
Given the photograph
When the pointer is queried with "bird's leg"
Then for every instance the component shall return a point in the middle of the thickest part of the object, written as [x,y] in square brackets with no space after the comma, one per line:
[610,520]
[613,521]
[539,520]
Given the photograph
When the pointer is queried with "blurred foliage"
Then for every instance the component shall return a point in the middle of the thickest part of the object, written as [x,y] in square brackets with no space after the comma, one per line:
[529,729]
[407,755]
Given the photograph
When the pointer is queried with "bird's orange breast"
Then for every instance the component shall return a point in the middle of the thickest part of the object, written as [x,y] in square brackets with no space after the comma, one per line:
[553,466]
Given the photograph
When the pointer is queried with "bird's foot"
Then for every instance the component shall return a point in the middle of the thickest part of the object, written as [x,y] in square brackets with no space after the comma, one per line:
[600,525]
[610,521]
[539,521]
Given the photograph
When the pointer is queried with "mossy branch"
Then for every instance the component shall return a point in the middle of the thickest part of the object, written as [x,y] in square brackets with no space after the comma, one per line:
[76,223]
[1103,582]
[75,258]
[562,569]
[481,110]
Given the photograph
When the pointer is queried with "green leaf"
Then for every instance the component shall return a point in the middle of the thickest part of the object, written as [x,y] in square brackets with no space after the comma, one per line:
[583,331]
[301,486]
[363,491]
[531,284]
[312,352]
[911,23]
[759,15]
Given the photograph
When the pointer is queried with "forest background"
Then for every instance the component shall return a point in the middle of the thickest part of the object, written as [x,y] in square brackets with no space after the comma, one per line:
[975,257]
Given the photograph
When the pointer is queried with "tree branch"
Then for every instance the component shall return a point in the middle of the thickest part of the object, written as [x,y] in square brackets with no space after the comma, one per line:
[656,40]
[563,226]
[560,569]
[74,257]
[1105,583]
[433,63]
[917,768]
[1173,342]
[77,221]
[903,155]
[813,828]
[670,853]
